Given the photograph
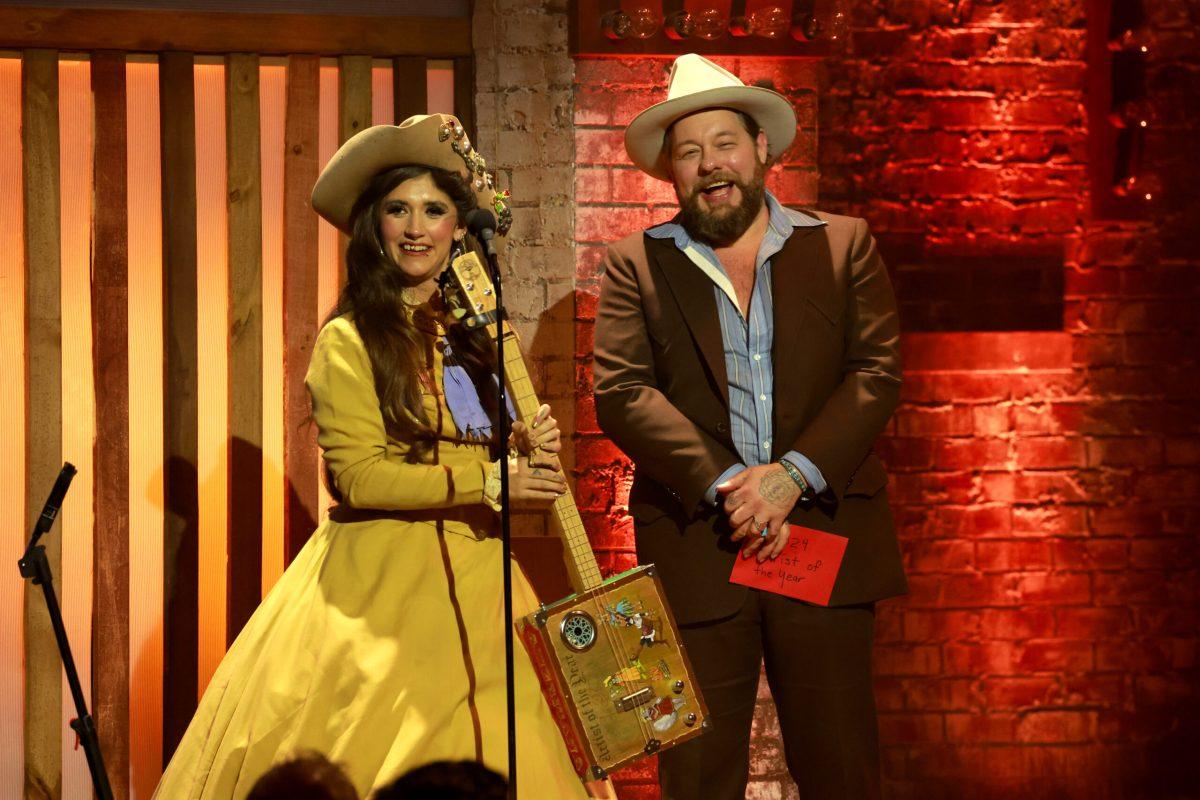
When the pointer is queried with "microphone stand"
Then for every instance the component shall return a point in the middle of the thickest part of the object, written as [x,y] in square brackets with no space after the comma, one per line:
[36,567]
[505,429]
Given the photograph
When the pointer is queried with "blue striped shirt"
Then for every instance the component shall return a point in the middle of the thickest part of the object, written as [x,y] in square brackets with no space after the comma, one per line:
[748,342]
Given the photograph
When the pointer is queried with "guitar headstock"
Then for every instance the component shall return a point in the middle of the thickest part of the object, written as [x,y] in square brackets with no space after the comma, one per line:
[471,293]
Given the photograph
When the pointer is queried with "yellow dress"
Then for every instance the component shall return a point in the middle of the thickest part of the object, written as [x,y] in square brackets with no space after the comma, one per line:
[382,645]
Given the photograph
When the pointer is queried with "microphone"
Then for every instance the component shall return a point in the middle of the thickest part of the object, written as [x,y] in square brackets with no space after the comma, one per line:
[55,500]
[482,225]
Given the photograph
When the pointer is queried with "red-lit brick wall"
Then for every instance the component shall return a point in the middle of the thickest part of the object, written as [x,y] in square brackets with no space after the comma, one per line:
[1045,483]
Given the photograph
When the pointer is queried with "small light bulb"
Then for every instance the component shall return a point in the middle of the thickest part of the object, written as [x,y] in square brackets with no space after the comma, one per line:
[769,23]
[616,25]
[643,23]
[709,24]
[1148,195]
[1145,49]
[1143,123]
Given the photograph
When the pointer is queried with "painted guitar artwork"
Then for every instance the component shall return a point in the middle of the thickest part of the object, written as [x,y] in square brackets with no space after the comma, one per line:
[609,658]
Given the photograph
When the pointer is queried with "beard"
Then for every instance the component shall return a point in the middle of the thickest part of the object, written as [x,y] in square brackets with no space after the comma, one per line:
[724,224]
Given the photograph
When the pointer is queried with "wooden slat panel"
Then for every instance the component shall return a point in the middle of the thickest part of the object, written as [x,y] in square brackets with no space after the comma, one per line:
[245,340]
[110,331]
[464,94]
[43,408]
[354,114]
[222,32]
[410,88]
[180,414]
[299,297]
[354,95]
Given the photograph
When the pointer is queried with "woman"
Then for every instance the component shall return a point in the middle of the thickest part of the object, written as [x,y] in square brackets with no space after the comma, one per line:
[382,645]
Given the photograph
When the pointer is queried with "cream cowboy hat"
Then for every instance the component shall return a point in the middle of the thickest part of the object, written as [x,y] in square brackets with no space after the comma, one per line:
[435,140]
[696,84]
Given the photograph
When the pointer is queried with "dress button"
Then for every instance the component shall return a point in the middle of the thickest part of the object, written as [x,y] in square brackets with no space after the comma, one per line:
[722,427]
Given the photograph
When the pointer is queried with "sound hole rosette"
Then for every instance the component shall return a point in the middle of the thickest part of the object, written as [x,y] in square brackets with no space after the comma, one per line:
[578,630]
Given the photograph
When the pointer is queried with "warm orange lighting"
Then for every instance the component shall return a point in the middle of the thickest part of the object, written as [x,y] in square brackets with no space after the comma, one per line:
[145,437]
[212,357]
[78,393]
[328,240]
[12,419]
[272,81]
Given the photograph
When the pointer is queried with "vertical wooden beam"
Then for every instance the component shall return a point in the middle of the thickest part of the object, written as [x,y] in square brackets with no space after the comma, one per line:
[354,95]
[110,360]
[464,94]
[299,297]
[43,409]
[354,115]
[244,177]
[410,89]
[180,381]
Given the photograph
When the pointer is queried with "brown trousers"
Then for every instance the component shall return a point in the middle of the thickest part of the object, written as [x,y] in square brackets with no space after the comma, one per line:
[818,663]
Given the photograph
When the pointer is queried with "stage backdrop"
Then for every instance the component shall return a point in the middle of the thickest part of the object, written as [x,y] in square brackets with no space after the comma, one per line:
[162,279]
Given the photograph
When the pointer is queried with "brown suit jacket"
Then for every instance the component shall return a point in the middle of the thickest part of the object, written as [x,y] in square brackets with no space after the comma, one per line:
[662,397]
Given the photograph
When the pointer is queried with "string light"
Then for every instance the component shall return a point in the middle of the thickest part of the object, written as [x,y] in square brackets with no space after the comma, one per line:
[709,24]
[643,22]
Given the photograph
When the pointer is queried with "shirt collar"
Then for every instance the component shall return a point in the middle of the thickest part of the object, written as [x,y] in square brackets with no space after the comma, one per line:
[780,219]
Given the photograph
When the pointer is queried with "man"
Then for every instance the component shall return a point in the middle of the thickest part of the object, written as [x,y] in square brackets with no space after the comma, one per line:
[746,360]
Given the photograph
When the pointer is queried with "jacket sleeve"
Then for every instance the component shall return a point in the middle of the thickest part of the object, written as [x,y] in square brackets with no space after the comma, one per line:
[841,435]
[632,410]
[350,430]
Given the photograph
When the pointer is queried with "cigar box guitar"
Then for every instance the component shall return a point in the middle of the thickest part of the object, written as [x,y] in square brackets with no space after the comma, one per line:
[609,658]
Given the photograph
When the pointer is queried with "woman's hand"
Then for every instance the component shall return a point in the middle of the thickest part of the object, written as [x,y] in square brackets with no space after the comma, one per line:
[541,441]
[534,487]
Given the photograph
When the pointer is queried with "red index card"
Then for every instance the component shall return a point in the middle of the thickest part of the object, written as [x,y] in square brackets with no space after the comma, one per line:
[806,569]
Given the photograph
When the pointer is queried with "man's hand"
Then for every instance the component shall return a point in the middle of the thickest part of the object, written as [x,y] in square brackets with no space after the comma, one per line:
[758,500]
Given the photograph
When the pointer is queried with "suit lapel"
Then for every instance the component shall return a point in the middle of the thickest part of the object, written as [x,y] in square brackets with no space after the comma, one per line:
[693,292]
[797,274]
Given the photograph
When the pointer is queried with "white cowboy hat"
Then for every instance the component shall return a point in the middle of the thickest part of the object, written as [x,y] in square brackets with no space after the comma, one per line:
[696,84]
[434,140]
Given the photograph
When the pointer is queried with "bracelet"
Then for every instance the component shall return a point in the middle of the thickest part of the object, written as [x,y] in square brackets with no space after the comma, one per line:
[795,474]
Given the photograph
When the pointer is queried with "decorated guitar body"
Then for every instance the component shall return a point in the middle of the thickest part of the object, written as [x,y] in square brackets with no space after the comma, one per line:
[609,657]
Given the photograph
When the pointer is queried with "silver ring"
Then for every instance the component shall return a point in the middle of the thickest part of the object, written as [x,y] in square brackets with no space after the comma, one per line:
[763,532]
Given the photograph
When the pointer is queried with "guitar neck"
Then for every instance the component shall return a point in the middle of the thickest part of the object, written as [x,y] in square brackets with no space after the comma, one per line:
[582,568]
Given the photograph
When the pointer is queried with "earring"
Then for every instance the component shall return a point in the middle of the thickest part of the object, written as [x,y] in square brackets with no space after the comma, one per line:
[457,249]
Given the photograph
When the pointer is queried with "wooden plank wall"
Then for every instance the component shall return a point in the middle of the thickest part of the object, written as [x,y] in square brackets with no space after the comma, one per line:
[245,505]
[110,369]
[115,695]
[180,385]
[43,406]
[299,298]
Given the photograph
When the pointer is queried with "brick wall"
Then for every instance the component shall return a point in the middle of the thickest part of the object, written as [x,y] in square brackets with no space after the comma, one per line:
[523,102]
[1045,481]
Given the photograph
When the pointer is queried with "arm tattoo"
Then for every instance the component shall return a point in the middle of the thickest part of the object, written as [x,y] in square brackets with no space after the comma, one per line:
[777,488]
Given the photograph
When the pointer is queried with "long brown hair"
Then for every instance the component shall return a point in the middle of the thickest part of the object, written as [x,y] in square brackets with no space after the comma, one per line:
[396,348]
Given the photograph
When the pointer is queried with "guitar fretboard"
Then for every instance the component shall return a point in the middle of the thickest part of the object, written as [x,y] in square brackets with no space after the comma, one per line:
[583,570]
